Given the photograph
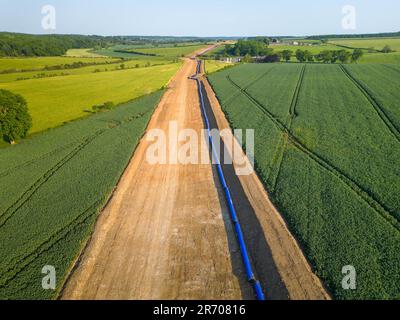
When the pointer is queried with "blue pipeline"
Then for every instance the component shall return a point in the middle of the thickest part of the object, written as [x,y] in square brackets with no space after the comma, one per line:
[243,249]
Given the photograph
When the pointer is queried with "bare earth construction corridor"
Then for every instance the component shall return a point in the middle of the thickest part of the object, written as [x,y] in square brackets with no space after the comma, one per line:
[162,235]
[166,233]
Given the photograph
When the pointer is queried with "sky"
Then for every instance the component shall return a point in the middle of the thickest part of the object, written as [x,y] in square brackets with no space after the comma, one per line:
[201,18]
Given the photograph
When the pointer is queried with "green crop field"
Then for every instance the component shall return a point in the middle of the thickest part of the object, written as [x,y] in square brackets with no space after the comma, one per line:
[327,148]
[375,43]
[56,184]
[39,63]
[53,101]
[314,49]
[161,52]
[393,57]
[82,53]
[171,52]
[115,65]
[214,66]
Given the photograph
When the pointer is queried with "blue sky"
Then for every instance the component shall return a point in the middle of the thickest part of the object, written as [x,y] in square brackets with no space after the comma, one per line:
[200,18]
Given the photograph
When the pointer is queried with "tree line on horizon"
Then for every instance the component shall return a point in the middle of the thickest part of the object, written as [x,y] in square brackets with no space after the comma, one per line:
[30,45]
[258,50]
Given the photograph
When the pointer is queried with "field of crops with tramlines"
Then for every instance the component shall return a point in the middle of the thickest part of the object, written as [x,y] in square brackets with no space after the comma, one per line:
[56,184]
[327,148]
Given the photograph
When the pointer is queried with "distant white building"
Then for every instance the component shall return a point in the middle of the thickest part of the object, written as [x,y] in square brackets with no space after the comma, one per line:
[231,59]
[295,43]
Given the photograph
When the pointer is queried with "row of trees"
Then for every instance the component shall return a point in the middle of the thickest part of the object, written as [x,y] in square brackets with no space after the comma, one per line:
[258,47]
[255,47]
[18,44]
[326,56]
[365,35]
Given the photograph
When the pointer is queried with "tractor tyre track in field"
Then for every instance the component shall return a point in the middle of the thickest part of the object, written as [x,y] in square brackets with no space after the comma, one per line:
[392,67]
[28,194]
[11,170]
[373,101]
[366,196]
[18,266]
[292,114]
[250,84]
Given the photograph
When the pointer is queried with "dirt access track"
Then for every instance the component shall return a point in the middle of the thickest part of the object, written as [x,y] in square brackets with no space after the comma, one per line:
[166,233]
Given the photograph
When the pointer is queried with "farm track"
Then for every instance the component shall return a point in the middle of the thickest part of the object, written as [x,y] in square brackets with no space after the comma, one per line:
[293,105]
[373,101]
[348,181]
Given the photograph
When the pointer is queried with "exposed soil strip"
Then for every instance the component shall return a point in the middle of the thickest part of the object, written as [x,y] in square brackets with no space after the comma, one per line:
[215,154]
[258,248]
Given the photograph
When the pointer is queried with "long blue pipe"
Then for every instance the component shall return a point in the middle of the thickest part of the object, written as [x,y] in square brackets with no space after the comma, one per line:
[243,249]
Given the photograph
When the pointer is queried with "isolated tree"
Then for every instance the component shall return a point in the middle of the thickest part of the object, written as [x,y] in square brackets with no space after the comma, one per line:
[287,55]
[387,49]
[15,120]
[357,54]
[300,56]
